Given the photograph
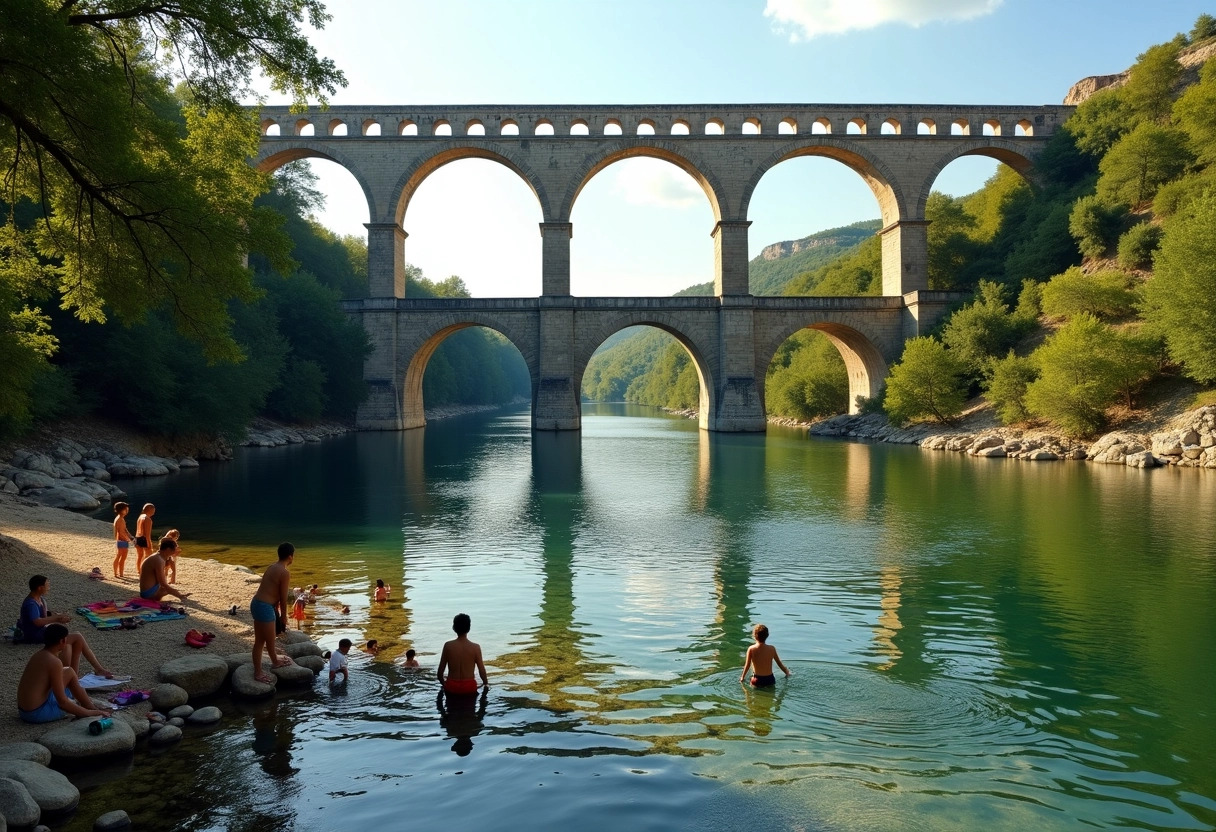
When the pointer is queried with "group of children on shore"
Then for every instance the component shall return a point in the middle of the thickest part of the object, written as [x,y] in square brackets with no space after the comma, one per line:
[157,570]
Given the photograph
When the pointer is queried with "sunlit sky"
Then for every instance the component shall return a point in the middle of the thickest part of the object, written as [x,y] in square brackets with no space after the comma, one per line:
[642,226]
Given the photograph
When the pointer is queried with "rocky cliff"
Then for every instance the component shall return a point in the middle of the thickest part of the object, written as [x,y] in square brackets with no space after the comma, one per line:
[1191,57]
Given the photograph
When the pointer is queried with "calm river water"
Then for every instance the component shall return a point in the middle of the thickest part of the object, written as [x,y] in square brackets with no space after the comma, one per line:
[974,643]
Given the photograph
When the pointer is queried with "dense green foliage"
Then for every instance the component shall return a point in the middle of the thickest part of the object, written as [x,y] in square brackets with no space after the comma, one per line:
[1104,294]
[1136,247]
[643,365]
[807,378]
[927,383]
[773,277]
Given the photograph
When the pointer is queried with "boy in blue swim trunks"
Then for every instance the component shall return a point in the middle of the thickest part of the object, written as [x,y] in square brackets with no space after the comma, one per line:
[153,585]
[760,657]
[267,605]
[48,689]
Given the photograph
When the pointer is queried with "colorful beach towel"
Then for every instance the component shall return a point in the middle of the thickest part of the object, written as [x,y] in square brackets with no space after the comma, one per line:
[106,615]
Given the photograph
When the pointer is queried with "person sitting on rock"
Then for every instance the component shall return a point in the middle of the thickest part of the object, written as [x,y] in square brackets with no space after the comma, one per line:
[36,617]
[49,689]
[153,585]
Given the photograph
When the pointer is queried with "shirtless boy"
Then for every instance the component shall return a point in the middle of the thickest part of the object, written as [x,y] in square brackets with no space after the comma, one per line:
[122,538]
[143,535]
[760,657]
[36,618]
[152,582]
[460,656]
[267,605]
[48,690]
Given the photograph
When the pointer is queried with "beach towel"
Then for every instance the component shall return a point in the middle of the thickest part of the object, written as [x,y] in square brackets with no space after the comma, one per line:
[91,681]
[106,615]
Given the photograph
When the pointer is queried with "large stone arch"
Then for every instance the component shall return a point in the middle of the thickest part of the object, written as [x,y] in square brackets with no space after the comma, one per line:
[269,161]
[1010,152]
[454,151]
[416,351]
[650,148]
[873,171]
[589,340]
[863,360]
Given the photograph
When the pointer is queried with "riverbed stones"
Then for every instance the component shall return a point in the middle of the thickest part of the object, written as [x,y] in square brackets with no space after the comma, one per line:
[32,751]
[64,497]
[74,742]
[167,696]
[17,806]
[180,712]
[294,637]
[141,725]
[292,674]
[205,716]
[314,663]
[115,821]
[176,722]
[992,451]
[235,660]
[199,675]
[51,790]
[167,735]
[244,684]
[26,480]
[139,466]
[303,648]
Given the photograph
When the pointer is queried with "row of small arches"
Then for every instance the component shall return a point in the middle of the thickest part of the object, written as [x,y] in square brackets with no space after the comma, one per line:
[646,127]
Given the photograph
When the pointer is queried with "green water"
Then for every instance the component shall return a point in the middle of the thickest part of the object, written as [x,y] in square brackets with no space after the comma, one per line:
[973,643]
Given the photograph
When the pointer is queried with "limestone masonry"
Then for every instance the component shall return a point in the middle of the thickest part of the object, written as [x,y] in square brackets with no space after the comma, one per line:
[898,150]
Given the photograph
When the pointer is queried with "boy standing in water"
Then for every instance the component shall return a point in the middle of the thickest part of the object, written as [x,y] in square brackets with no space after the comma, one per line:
[143,535]
[461,656]
[267,605]
[760,657]
[122,538]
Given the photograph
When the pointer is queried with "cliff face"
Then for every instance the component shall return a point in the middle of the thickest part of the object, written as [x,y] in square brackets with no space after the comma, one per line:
[787,247]
[1191,58]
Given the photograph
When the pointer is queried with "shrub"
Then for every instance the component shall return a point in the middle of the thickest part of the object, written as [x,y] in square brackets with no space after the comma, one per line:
[982,329]
[1095,225]
[1104,294]
[1006,386]
[1136,247]
[926,383]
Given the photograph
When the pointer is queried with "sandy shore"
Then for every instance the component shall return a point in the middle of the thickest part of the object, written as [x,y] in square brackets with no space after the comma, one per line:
[63,546]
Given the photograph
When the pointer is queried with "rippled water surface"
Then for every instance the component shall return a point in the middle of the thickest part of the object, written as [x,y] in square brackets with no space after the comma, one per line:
[973,643]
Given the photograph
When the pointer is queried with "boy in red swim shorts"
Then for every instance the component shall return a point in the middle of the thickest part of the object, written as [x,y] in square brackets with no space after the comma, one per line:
[760,657]
[460,656]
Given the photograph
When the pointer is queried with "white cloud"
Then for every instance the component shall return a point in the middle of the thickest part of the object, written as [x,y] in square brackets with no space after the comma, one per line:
[806,19]
[654,182]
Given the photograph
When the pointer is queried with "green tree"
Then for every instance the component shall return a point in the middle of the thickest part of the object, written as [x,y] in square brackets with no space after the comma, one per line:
[1104,294]
[1150,85]
[949,242]
[1095,225]
[1136,247]
[1195,114]
[926,383]
[1006,384]
[1100,121]
[1141,162]
[1204,28]
[806,379]
[982,329]
[1180,299]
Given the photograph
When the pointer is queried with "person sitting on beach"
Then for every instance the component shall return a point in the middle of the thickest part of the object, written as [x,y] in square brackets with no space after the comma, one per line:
[410,661]
[337,661]
[268,605]
[152,583]
[36,618]
[171,560]
[122,538]
[48,689]
[382,590]
[460,656]
[760,657]
[143,535]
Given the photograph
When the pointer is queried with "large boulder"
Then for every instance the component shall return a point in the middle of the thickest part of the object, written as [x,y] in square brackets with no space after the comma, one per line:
[17,806]
[1143,459]
[74,742]
[235,660]
[138,466]
[65,497]
[244,684]
[303,648]
[35,462]
[314,663]
[32,479]
[166,697]
[32,751]
[291,674]
[294,637]
[139,723]
[51,790]
[198,675]
[67,469]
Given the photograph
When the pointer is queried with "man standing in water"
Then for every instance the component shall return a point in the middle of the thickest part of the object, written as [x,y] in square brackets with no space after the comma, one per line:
[461,656]
[267,605]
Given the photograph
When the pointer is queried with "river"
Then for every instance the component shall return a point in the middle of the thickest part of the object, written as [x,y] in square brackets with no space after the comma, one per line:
[973,642]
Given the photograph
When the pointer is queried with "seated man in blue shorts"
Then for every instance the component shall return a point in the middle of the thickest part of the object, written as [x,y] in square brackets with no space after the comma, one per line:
[153,585]
[48,689]
[34,619]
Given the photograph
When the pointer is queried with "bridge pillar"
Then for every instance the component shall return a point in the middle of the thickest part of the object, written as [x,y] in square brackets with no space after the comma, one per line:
[555,258]
[555,396]
[905,257]
[382,408]
[737,404]
[730,257]
[385,259]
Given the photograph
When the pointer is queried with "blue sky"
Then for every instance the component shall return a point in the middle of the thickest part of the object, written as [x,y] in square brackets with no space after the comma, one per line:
[641,227]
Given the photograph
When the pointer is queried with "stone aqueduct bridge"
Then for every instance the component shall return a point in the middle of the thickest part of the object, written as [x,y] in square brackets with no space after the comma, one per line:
[898,150]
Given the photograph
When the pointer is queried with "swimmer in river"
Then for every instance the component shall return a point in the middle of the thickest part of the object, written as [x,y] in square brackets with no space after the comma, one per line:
[460,656]
[760,658]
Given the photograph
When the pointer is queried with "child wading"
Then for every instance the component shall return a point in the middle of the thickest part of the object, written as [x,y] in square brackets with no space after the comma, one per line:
[760,657]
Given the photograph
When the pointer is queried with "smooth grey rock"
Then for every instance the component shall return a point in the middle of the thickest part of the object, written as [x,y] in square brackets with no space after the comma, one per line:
[243,683]
[292,674]
[140,724]
[65,497]
[187,462]
[114,821]
[51,790]
[1144,459]
[175,722]
[205,716]
[990,440]
[1041,455]
[138,466]
[235,660]
[10,487]
[303,648]
[38,462]
[95,464]
[89,486]
[294,637]
[992,451]
[99,474]
[314,663]
[64,470]
[166,697]
[167,735]
[181,712]
[1192,451]
[32,479]
[17,806]
[32,751]
[74,742]
[199,675]
[153,727]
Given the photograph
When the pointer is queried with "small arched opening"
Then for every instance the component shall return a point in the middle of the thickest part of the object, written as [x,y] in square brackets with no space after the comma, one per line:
[891,127]
[441,127]
[680,127]
[305,127]
[715,127]
[371,127]
[646,127]
[1023,128]
[856,127]
[926,127]
[544,127]
[821,370]
[509,128]
[751,127]
[992,127]
[612,127]
[337,127]
[821,126]
[787,127]
[407,128]
[474,128]
[270,127]
[579,128]
[960,127]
